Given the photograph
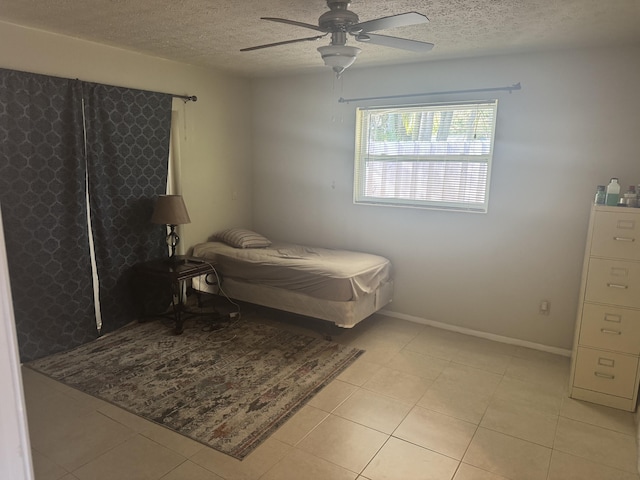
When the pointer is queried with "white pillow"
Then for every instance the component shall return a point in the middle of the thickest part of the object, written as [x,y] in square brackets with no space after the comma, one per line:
[242,238]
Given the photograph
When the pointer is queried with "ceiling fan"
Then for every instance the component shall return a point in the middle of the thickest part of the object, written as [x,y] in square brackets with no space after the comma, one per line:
[339,21]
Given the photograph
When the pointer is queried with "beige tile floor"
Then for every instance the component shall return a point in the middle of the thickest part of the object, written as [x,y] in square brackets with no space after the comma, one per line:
[421,403]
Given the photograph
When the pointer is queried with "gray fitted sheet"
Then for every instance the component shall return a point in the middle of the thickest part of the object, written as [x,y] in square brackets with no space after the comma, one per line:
[338,275]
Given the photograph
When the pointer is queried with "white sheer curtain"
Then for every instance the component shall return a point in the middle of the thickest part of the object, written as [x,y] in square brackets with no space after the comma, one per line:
[174,178]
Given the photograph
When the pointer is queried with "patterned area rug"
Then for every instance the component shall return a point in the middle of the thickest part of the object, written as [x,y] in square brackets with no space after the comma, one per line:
[228,389]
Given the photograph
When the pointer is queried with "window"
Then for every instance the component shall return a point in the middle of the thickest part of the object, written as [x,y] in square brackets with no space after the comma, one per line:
[428,156]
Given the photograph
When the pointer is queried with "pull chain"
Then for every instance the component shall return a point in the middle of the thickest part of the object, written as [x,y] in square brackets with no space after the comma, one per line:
[340,81]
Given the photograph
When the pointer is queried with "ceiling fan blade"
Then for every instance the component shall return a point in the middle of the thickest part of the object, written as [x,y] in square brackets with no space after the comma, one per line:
[395,42]
[285,42]
[293,22]
[400,20]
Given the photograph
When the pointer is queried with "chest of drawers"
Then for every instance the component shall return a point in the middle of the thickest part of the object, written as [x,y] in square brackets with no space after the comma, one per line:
[606,351]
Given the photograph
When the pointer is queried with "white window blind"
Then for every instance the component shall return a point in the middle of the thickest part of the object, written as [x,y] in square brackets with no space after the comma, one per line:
[428,156]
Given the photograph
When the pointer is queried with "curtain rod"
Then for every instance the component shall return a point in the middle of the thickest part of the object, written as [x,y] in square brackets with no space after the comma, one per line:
[186,98]
[511,88]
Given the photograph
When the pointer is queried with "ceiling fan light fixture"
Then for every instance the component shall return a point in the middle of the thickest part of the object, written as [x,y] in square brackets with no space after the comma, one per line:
[339,57]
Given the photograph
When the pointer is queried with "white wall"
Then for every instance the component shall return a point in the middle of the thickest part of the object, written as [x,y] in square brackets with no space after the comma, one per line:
[573,125]
[215,155]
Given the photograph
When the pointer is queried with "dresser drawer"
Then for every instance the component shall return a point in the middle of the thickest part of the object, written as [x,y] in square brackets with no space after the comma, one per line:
[613,281]
[610,328]
[616,235]
[606,372]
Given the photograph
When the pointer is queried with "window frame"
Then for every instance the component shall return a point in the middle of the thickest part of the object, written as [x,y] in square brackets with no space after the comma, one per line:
[433,162]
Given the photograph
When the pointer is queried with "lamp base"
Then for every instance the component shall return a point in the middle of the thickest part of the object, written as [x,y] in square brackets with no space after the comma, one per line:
[172,240]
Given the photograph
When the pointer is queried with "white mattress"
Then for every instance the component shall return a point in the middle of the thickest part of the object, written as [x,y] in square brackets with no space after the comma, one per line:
[327,274]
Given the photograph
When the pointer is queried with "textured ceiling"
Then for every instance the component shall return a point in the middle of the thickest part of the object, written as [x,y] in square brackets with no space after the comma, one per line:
[210,33]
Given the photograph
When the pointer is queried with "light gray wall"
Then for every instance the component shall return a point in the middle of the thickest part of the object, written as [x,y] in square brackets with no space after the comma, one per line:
[573,125]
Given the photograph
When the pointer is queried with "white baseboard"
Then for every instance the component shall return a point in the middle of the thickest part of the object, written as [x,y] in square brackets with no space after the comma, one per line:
[476,333]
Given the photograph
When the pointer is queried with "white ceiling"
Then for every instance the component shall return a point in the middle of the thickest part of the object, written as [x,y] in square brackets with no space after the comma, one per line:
[210,33]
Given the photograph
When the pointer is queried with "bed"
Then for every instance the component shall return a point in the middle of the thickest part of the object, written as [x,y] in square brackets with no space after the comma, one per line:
[340,286]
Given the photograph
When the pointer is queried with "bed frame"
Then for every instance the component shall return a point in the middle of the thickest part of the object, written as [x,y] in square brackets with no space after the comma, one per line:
[342,314]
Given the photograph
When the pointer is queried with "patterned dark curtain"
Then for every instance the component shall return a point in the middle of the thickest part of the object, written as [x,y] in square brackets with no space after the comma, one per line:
[42,193]
[127,146]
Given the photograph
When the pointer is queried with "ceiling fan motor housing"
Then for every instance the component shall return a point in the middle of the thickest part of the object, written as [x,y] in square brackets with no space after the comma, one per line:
[338,19]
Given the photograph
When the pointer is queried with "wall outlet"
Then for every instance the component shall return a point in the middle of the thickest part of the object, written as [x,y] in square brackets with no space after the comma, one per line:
[545,307]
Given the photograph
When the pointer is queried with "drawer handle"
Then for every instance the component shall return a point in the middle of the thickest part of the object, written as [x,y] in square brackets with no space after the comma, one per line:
[626,224]
[617,285]
[606,362]
[624,239]
[612,332]
[604,375]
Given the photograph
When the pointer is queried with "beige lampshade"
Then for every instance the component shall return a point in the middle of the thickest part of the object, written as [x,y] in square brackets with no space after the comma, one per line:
[170,210]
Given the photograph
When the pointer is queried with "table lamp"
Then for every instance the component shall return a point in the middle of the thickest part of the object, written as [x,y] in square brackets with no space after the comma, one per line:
[170,210]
